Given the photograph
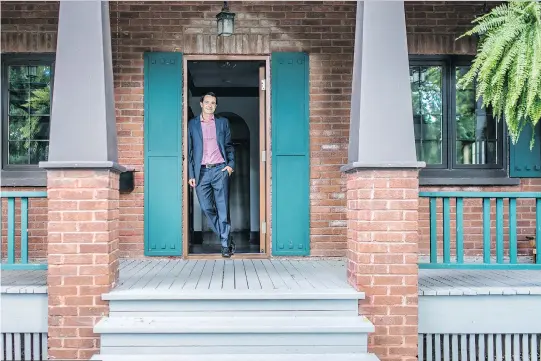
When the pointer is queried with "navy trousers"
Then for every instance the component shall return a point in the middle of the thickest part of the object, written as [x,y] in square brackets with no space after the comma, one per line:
[213,195]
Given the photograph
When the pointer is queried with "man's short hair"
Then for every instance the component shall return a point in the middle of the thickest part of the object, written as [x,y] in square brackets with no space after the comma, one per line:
[209,94]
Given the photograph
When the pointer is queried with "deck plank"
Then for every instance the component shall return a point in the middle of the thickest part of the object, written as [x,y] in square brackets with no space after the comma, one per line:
[229,276]
[178,284]
[134,274]
[277,281]
[163,274]
[168,280]
[251,275]
[241,279]
[206,276]
[217,280]
[262,275]
[326,270]
[297,276]
[192,281]
[317,278]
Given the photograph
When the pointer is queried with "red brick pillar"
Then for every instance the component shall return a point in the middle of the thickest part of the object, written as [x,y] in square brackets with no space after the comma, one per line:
[382,256]
[82,256]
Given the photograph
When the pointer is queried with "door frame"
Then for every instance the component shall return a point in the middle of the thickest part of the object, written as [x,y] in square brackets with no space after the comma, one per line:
[264,145]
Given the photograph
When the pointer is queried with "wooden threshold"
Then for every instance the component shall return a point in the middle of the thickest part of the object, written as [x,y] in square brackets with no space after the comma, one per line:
[219,256]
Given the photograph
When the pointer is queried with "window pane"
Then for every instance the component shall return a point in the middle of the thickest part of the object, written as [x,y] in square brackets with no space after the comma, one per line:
[40,100]
[16,128]
[476,133]
[18,153]
[29,97]
[18,102]
[426,91]
[38,151]
[18,77]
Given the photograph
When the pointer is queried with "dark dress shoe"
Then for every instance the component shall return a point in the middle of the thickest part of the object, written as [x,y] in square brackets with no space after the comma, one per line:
[232,246]
[225,252]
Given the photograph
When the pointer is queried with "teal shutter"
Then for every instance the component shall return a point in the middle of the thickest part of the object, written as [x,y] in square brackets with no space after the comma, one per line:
[290,154]
[163,154]
[523,162]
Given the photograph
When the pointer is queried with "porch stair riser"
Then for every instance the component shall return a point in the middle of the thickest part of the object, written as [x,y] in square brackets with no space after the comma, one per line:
[239,357]
[234,308]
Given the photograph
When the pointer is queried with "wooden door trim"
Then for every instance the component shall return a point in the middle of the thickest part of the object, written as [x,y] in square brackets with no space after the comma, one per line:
[264,145]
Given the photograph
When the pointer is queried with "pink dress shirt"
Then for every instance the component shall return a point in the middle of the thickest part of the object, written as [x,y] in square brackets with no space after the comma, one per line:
[211,152]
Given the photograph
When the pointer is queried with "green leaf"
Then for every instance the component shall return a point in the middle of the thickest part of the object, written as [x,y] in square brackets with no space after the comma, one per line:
[507,68]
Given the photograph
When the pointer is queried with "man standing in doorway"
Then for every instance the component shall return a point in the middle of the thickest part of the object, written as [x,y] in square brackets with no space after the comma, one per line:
[211,160]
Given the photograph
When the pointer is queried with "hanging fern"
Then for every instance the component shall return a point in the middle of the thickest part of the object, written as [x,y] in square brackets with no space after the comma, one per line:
[507,67]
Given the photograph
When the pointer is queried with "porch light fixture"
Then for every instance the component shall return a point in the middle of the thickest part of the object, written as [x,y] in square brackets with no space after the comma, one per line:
[226,21]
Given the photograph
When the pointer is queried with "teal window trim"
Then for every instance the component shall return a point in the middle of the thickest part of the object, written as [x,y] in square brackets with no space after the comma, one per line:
[449,172]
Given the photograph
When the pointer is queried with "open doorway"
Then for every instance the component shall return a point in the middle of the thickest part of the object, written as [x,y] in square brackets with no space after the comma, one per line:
[237,84]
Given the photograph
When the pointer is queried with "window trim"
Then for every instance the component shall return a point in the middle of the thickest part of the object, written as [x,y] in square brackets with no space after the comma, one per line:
[24,174]
[453,173]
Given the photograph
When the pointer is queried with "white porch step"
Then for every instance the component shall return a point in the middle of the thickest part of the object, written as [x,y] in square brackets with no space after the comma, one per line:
[241,357]
[232,335]
[235,294]
[229,307]
[240,303]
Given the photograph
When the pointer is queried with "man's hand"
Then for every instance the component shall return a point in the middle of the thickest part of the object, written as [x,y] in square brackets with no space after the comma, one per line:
[229,169]
[191,182]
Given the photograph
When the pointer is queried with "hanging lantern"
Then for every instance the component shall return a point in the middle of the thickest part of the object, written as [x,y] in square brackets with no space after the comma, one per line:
[226,21]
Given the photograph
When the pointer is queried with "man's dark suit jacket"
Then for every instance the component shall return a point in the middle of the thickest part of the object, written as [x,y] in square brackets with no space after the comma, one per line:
[195,145]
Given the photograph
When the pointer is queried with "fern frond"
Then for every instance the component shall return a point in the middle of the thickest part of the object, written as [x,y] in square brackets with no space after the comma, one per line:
[507,67]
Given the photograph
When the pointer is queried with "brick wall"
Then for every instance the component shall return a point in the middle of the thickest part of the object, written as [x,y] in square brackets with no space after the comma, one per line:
[324,29]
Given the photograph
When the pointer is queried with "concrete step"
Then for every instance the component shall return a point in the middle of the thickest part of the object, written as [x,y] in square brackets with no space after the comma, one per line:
[231,335]
[241,357]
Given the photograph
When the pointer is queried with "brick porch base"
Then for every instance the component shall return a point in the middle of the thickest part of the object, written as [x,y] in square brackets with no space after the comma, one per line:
[382,256]
[82,256]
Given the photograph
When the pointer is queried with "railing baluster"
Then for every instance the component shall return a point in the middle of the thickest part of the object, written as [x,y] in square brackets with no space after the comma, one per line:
[11,230]
[24,230]
[466,229]
[446,231]
[512,230]
[433,232]
[486,230]
[499,230]
[13,261]
[538,229]
[459,231]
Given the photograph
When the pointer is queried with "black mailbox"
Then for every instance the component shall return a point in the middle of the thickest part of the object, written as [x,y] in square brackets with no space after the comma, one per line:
[126,182]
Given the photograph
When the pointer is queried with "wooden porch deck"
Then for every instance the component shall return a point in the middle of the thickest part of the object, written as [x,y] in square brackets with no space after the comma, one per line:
[284,274]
